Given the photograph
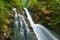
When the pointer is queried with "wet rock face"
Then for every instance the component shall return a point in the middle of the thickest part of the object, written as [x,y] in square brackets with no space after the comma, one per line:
[11,15]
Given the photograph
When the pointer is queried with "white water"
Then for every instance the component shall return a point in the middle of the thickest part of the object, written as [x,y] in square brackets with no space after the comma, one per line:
[41,32]
[21,30]
[15,24]
[28,34]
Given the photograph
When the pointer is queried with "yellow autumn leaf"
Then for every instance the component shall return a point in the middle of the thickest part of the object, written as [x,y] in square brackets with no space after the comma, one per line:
[46,11]
[47,17]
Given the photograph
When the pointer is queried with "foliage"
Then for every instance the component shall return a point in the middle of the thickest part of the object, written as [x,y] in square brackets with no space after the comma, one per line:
[46,12]
[31,2]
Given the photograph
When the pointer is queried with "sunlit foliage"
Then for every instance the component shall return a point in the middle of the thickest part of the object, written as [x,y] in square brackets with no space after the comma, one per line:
[49,13]
[46,12]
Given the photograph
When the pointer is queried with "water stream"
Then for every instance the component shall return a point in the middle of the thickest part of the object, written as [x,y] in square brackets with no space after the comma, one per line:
[41,32]
[22,31]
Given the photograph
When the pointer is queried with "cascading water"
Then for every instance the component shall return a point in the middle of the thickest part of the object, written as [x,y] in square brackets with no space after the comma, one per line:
[28,33]
[41,32]
[21,30]
[15,25]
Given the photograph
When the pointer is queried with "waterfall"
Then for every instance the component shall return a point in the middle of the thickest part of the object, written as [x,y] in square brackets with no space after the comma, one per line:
[15,24]
[41,32]
[21,29]
[28,34]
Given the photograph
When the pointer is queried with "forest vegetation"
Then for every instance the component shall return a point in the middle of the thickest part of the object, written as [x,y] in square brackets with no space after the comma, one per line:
[45,12]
